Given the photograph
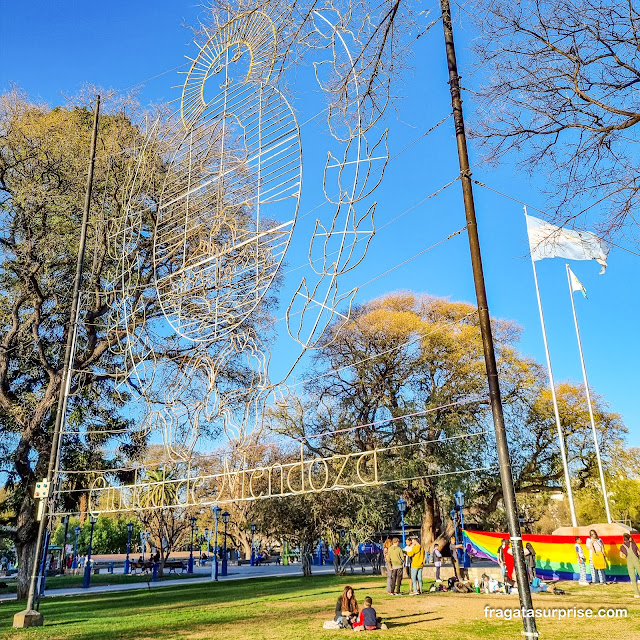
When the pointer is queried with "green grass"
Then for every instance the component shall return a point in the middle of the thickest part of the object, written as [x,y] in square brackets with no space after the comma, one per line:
[293,608]
[72,582]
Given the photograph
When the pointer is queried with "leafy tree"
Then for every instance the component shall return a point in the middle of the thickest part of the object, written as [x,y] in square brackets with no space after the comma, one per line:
[169,526]
[43,167]
[536,463]
[109,534]
[413,365]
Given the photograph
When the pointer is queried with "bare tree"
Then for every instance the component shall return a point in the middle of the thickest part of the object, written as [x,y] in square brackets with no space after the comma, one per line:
[560,89]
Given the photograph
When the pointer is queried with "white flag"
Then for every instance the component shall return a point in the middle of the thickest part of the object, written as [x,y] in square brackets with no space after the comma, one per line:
[546,240]
[576,285]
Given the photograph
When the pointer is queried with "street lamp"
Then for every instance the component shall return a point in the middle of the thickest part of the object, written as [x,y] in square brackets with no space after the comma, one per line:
[459,498]
[74,562]
[144,537]
[126,560]
[402,507]
[216,511]
[253,533]
[226,516]
[86,581]
[65,521]
[192,520]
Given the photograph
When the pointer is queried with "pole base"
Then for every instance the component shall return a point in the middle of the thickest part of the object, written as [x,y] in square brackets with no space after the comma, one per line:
[27,618]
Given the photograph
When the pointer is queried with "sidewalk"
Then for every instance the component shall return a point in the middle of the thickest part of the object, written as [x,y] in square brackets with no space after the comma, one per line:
[244,572]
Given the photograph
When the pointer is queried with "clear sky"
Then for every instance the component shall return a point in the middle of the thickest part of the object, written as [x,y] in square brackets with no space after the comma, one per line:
[51,49]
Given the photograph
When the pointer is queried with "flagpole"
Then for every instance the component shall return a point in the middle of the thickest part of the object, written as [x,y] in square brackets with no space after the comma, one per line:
[563,451]
[588,393]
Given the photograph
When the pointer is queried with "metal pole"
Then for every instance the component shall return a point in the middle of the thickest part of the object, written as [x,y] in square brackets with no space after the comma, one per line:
[126,560]
[86,581]
[74,562]
[588,393]
[64,544]
[502,446]
[215,549]
[224,552]
[190,565]
[563,450]
[54,455]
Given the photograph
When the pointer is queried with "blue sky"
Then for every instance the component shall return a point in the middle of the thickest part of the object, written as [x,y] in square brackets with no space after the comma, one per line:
[51,49]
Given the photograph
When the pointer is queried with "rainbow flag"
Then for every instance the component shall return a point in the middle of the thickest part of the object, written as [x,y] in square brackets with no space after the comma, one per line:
[555,555]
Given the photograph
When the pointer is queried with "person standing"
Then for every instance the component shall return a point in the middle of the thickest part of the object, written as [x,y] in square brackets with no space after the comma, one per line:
[396,559]
[453,547]
[582,561]
[437,561]
[385,554]
[501,560]
[597,557]
[416,553]
[629,551]
[530,558]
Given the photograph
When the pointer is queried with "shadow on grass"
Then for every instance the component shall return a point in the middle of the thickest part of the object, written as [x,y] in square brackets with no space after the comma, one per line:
[177,611]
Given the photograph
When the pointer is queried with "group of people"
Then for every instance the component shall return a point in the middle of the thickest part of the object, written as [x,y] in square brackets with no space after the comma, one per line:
[506,564]
[350,616]
[598,559]
[394,559]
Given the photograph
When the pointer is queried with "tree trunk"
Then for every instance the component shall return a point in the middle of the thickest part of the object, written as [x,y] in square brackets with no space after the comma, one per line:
[305,559]
[246,547]
[26,536]
[433,530]
[26,552]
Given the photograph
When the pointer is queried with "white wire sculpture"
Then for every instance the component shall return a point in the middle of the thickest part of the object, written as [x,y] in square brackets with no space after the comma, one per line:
[224,219]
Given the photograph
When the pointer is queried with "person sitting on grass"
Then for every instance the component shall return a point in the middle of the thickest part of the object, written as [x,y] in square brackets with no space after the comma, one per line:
[368,620]
[347,610]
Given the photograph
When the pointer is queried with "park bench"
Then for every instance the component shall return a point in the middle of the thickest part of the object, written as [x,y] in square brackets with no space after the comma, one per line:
[173,565]
[142,566]
[268,560]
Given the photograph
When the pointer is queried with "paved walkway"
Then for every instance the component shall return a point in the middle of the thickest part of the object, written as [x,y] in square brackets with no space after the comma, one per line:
[243,572]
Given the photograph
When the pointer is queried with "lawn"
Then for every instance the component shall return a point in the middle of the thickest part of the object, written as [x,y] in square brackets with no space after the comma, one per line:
[294,608]
[71,582]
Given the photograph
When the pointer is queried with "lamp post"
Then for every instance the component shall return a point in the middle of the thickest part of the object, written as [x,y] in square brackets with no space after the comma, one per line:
[74,561]
[253,533]
[144,536]
[459,498]
[226,516]
[86,581]
[402,507]
[65,521]
[216,511]
[192,520]
[207,537]
[126,560]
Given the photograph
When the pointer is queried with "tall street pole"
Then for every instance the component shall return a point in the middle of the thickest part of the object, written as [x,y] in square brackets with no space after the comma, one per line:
[508,491]
[30,617]
[554,398]
[589,403]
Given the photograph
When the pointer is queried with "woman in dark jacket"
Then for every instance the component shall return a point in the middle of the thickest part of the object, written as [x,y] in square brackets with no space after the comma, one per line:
[347,610]
[530,559]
